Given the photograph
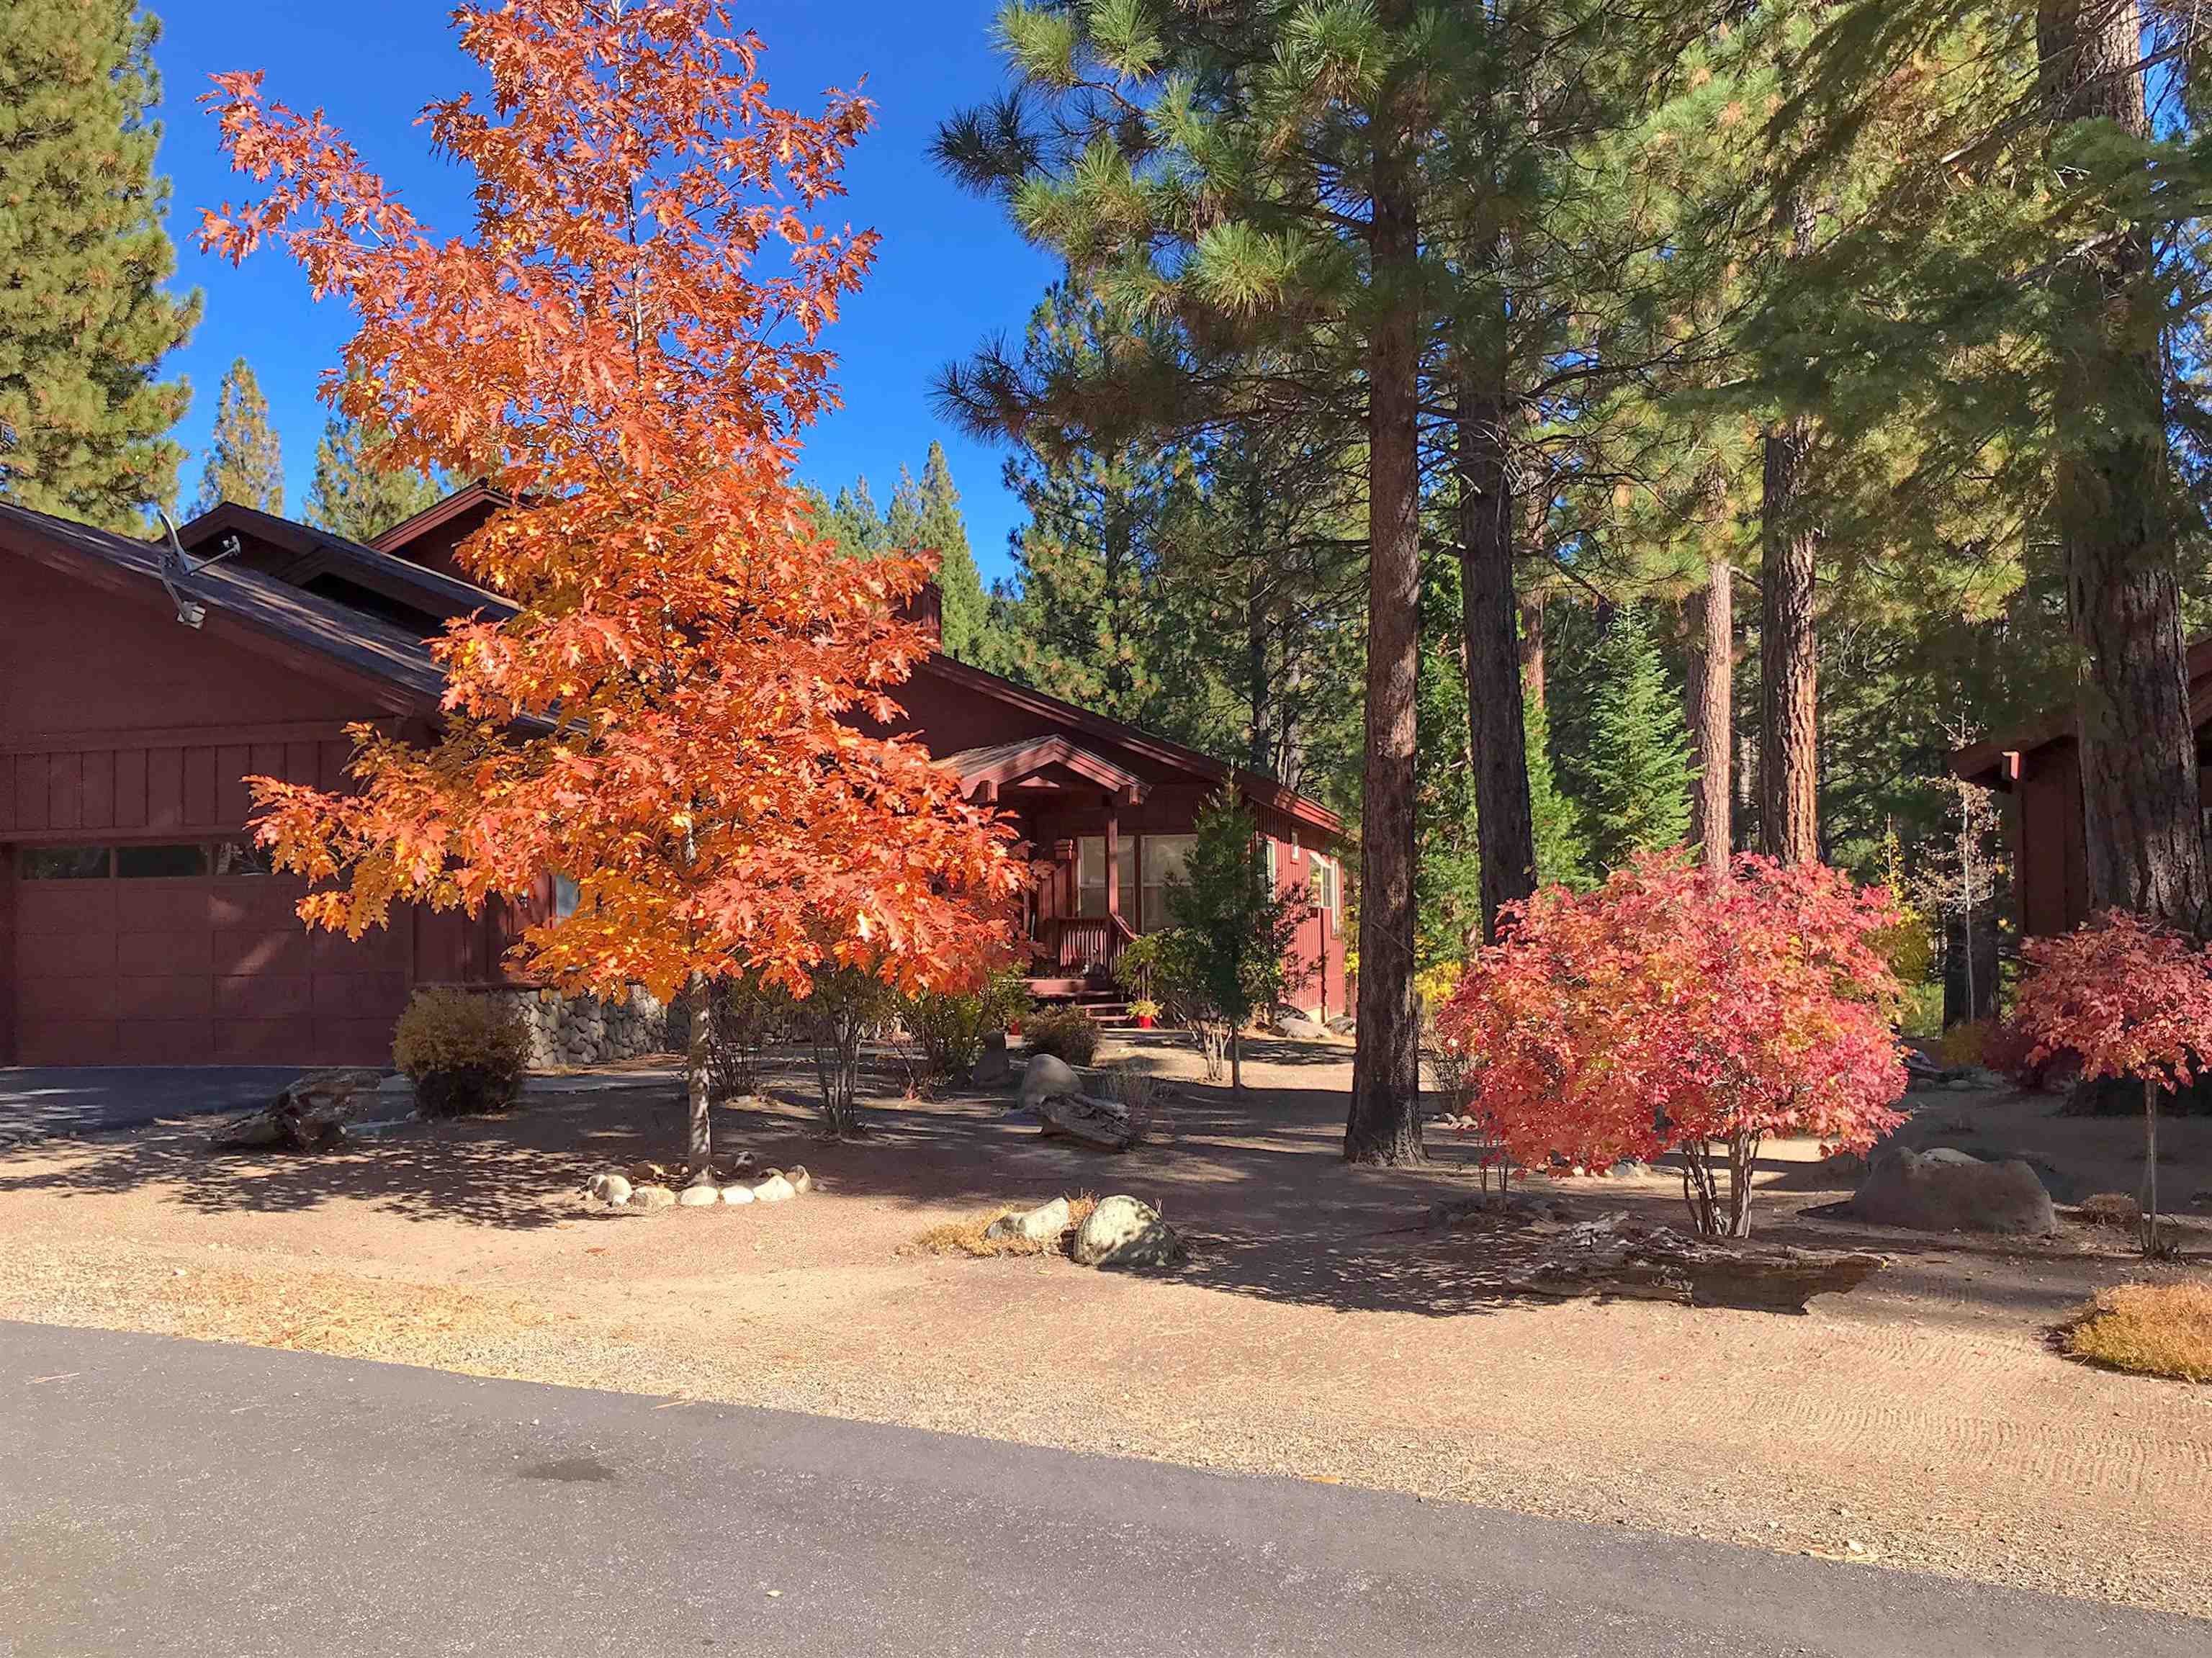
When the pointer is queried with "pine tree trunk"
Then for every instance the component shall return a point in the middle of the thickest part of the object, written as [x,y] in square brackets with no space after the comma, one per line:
[699,1149]
[1711,710]
[1790,744]
[2139,788]
[1504,819]
[1532,648]
[1259,754]
[1383,1124]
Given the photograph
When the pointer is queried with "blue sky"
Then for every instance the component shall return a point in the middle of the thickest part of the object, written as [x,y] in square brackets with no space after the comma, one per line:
[949,272]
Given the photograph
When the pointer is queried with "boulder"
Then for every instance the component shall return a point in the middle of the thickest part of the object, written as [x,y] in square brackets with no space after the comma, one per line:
[738,1195]
[1344,1025]
[611,1189]
[1040,1225]
[799,1179]
[1123,1232]
[1299,1028]
[1944,1193]
[1048,1077]
[650,1198]
[775,1188]
[698,1195]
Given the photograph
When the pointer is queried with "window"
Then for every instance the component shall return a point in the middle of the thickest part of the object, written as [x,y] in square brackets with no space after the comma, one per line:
[161,863]
[63,864]
[1090,875]
[243,858]
[1164,856]
[567,895]
[1325,886]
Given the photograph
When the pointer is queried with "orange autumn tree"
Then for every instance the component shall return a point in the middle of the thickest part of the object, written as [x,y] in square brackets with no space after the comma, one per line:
[626,344]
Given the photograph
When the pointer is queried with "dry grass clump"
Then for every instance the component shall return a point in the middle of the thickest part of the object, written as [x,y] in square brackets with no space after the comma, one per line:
[2148,1329]
[2114,1209]
[966,1237]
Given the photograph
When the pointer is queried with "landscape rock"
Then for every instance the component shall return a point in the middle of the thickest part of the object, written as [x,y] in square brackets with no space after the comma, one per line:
[1040,1225]
[1628,1168]
[738,1195]
[611,1189]
[1049,1076]
[1935,1193]
[1343,1024]
[1121,1231]
[649,1197]
[1299,1028]
[775,1189]
[799,1179]
[699,1195]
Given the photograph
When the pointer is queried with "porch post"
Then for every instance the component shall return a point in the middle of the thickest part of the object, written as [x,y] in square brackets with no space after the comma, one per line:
[1113,860]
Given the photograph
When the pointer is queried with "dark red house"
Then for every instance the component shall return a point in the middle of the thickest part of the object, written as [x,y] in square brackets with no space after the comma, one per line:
[139,925]
[2039,768]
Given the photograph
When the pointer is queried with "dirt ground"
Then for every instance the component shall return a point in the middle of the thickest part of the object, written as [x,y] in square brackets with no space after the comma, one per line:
[1321,1330]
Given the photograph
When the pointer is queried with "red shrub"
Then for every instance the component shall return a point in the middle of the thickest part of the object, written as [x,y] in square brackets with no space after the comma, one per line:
[1668,1011]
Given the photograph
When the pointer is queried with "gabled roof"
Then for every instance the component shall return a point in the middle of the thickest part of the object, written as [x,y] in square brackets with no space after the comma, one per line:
[1991,762]
[262,606]
[1008,765]
[1264,791]
[440,594]
[466,498]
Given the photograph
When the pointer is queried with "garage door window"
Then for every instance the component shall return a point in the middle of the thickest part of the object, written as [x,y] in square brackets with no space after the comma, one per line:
[174,861]
[161,863]
[63,864]
[243,858]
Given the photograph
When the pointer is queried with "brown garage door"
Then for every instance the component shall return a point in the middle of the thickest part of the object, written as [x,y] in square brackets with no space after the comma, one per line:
[184,953]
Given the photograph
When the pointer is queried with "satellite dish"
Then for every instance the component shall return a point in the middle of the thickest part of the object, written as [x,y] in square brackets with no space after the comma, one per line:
[173,567]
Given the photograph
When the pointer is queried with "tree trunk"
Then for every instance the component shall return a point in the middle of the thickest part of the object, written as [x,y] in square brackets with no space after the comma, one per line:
[699,1149]
[1789,673]
[1235,1061]
[2139,790]
[1504,819]
[2150,1170]
[1383,1124]
[1531,647]
[1712,712]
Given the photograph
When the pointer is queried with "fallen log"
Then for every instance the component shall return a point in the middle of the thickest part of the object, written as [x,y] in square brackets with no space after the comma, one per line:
[309,1114]
[1664,1266]
[1095,1122]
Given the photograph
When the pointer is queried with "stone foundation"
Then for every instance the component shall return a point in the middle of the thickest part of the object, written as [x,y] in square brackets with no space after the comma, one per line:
[574,1031]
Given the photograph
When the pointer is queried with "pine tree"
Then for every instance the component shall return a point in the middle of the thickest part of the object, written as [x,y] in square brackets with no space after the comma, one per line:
[853,523]
[1638,764]
[1238,927]
[84,320]
[1562,850]
[352,498]
[244,464]
[928,515]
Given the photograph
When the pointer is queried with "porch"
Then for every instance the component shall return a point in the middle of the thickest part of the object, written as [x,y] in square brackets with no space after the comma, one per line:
[1101,839]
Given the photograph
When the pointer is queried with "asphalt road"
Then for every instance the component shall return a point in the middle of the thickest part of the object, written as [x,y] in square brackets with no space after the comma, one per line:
[167,1496]
[39,1100]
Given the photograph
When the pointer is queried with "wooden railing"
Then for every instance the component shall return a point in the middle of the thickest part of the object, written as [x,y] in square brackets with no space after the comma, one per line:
[1075,942]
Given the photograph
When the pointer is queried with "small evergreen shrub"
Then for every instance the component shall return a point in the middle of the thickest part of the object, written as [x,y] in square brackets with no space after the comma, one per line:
[464,1051]
[947,1030]
[1065,1033]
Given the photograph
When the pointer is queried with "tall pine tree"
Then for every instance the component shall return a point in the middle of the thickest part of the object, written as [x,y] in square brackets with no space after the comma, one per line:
[84,320]
[244,464]
[1638,764]
[928,515]
[351,497]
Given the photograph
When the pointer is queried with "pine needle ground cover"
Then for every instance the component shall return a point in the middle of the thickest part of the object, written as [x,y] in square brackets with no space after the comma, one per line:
[2148,1329]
